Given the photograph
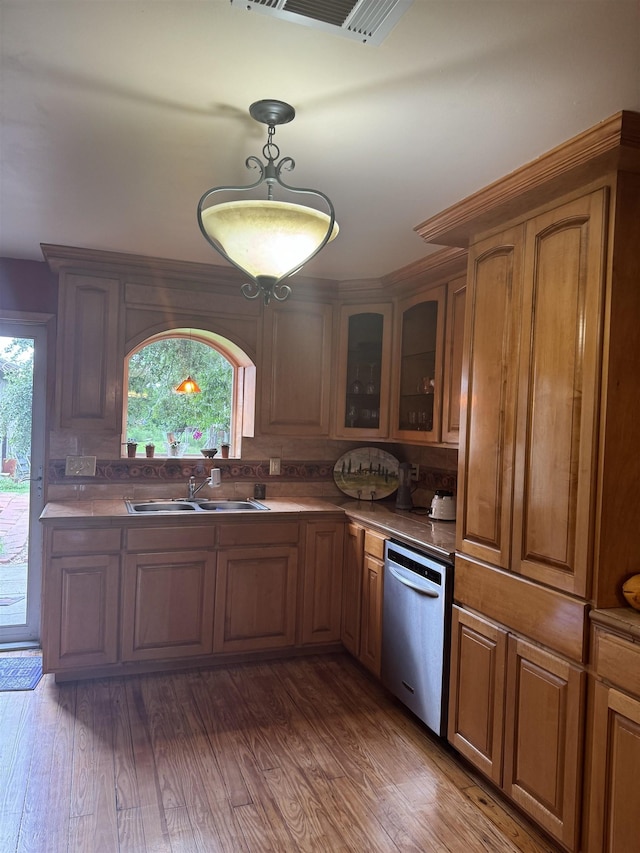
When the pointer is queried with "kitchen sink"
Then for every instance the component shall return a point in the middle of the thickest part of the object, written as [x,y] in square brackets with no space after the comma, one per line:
[158,506]
[230,506]
[173,507]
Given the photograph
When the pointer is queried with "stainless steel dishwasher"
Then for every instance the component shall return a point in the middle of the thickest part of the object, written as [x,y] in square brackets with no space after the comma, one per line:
[416,631]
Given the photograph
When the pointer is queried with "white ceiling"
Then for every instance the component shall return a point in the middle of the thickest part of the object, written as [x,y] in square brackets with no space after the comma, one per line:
[118,114]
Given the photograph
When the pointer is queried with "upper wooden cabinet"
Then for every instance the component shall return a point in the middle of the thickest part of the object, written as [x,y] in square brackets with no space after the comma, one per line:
[550,430]
[453,348]
[530,395]
[558,393]
[489,393]
[426,360]
[90,352]
[296,369]
[363,370]
[418,386]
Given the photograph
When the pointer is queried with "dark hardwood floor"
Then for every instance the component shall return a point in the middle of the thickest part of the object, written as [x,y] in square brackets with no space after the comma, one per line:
[309,754]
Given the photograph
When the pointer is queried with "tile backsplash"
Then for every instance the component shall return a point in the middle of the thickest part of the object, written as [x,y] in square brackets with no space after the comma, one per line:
[142,478]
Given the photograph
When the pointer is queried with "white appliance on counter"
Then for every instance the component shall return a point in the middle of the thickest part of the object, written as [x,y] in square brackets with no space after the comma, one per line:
[416,629]
[443,506]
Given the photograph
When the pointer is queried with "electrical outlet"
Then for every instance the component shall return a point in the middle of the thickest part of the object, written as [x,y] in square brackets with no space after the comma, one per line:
[274,466]
[415,472]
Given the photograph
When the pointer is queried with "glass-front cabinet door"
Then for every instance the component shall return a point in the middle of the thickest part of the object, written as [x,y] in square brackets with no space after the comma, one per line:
[419,370]
[362,405]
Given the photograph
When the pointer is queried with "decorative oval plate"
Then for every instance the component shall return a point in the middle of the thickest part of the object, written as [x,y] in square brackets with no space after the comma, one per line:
[366,473]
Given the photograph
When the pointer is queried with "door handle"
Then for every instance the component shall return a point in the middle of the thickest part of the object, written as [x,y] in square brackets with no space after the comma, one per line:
[428,592]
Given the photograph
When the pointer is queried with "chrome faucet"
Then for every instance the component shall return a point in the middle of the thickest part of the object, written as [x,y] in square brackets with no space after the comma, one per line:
[212,480]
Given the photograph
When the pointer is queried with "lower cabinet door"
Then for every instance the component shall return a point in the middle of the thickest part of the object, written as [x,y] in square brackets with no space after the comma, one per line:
[543,736]
[322,579]
[352,588]
[167,605]
[371,615]
[615,758]
[476,700]
[256,598]
[81,627]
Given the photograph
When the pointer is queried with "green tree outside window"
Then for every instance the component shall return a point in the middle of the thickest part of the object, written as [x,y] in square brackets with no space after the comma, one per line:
[155,411]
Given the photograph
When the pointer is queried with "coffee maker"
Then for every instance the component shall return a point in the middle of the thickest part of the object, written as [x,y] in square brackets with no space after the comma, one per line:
[403,497]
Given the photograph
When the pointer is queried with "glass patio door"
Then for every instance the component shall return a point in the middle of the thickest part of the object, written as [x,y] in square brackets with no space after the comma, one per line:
[22,418]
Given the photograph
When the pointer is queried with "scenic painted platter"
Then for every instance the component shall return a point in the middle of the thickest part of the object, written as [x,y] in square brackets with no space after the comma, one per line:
[366,473]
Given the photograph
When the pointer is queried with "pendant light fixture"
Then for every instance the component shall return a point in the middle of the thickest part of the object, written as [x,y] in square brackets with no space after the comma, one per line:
[189,385]
[267,240]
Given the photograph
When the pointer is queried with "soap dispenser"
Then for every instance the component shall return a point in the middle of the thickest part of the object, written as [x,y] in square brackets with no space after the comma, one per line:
[403,497]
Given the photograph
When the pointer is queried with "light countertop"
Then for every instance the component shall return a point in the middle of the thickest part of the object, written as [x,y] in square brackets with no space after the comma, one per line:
[417,530]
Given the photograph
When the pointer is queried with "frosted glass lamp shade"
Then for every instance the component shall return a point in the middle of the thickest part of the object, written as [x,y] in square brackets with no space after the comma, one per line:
[267,238]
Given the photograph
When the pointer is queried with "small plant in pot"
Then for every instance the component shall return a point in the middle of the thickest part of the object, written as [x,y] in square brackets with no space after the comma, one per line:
[149,450]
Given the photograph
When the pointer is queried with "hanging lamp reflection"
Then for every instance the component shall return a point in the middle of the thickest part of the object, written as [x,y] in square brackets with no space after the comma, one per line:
[188,385]
[267,240]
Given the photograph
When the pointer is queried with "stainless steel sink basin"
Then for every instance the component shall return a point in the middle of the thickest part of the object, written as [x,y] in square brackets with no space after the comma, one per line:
[173,507]
[160,506]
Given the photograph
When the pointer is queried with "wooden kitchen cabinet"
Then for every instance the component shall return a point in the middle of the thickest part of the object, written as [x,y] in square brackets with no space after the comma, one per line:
[371,606]
[167,605]
[548,447]
[477,688]
[352,587]
[90,353]
[614,744]
[168,593]
[256,598]
[362,590]
[296,381]
[546,527]
[516,712]
[322,582]
[81,588]
[494,308]
[453,350]
[531,374]
[363,372]
[417,399]
[544,725]
[84,630]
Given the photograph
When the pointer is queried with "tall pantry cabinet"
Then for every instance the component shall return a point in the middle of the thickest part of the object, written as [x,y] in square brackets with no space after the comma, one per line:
[532,372]
[548,464]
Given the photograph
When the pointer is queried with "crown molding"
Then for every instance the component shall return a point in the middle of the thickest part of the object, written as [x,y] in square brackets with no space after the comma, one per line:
[603,149]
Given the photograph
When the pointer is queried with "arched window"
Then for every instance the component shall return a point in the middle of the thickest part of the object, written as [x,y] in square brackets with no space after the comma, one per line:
[186,424]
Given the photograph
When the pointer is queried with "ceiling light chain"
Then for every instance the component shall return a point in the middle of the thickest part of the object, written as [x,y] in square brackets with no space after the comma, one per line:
[268,241]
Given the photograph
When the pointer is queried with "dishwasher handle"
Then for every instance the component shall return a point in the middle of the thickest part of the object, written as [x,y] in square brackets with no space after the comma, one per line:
[430,593]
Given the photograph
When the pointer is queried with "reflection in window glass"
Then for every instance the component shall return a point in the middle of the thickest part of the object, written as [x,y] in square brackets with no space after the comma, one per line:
[179,424]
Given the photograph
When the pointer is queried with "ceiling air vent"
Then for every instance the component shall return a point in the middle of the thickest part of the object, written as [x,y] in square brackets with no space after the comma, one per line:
[368,21]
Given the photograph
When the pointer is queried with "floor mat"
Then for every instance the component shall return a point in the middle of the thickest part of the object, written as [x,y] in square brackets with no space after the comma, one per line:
[7,600]
[20,673]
